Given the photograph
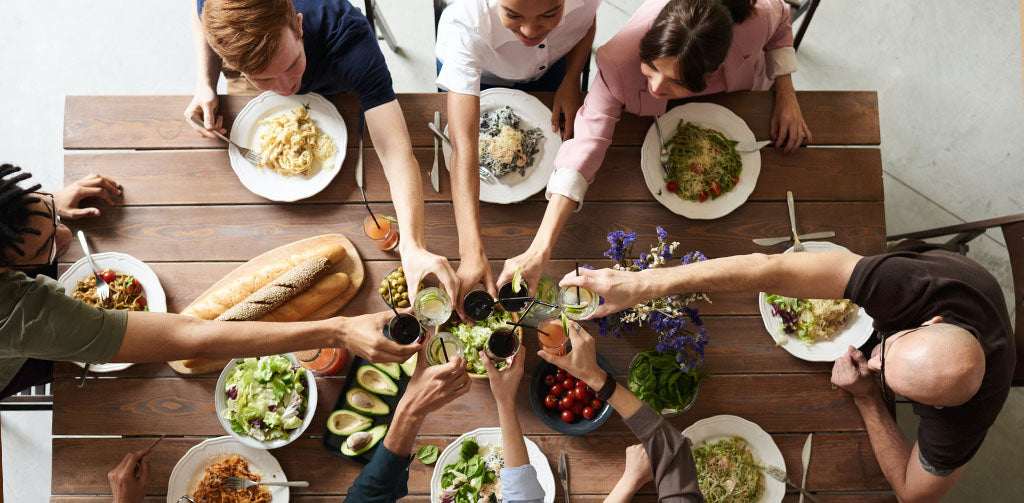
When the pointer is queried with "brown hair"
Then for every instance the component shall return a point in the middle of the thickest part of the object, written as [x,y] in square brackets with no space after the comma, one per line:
[697,33]
[247,33]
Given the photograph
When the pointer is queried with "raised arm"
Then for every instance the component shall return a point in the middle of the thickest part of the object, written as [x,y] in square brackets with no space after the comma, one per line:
[567,96]
[821,275]
[208,65]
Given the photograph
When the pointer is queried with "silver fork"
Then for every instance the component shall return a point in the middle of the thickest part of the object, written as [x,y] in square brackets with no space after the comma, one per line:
[102,291]
[663,156]
[249,155]
[240,483]
[777,474]
[797,245]
[485,174]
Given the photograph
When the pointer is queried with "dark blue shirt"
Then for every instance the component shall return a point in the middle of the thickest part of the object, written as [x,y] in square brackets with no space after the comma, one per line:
[342,54]
[384,480]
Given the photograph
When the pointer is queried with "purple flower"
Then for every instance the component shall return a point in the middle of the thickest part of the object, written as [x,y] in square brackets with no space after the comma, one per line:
[662,235]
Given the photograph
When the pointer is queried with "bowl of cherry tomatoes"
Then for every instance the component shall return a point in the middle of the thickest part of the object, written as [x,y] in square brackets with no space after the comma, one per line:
[566,404]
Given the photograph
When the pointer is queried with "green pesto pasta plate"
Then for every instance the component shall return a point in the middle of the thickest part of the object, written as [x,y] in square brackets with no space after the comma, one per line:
[708,178]
[706,433]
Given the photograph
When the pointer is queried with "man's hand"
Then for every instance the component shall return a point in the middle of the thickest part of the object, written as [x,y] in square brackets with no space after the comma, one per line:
[581,362]
[204,107]
[851,373]
[94,185]
[364,336]
[638,466]
[532,264]
[474,270]
[788,126]
[567,102]
[125,486]
[505,382]
[620,289]
[434,386]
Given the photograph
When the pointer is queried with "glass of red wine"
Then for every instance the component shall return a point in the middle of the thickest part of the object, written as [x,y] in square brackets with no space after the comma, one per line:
[404,329]
[503,344]
[478,305]
[514,301]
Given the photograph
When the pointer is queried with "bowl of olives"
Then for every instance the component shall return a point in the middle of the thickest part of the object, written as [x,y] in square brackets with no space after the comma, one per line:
[399,288]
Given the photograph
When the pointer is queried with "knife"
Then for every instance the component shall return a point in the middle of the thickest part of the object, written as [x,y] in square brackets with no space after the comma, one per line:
[434,175]
[805,459]
[803,237]
[563,474]
[359,159]
[752,146]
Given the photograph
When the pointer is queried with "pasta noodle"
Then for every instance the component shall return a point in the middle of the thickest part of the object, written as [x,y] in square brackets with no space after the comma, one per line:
[292,141]
[210,489]
[125,292]
[703,162]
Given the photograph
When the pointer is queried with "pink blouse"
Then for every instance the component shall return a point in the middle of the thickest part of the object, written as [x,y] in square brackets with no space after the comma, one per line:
[762,48]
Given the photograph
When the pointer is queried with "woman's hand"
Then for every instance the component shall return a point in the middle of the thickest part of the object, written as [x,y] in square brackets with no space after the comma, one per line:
[563,110]
[788,127]
[474,270]
[505,382]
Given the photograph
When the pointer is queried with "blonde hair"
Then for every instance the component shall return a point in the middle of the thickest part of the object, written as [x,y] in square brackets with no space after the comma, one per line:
[247,33]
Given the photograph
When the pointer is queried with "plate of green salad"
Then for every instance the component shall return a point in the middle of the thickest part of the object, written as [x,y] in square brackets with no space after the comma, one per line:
[731,453]
[265,402]
[469,469]
[474,338]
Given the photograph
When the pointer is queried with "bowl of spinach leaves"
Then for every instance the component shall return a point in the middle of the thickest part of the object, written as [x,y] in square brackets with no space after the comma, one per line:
[656,378]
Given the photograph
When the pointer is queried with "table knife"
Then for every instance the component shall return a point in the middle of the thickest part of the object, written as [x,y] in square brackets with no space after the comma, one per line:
[435,180]
[359,157]
[803,237]
[752,146]
[805,459]
[563,474]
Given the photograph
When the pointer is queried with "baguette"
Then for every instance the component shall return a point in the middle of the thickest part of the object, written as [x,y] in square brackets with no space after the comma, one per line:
[278,291]
[302,305]
[215,303]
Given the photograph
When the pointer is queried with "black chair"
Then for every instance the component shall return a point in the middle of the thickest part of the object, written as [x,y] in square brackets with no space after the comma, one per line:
[1013,231]
[378,22]
[797,9]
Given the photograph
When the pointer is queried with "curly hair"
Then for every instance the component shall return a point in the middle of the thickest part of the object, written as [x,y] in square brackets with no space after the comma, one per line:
[15,211]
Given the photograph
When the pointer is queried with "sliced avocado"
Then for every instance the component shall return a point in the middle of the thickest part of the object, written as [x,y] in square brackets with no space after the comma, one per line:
[410,365]
[375,380]
[391,369]
[362,441]
[346,422]
[366,402]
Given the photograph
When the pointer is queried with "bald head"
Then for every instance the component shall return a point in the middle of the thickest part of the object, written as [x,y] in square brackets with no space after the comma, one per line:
[938,364]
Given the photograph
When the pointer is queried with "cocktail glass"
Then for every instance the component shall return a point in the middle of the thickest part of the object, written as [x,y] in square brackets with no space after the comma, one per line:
[439,344]
[551,334]
[404,329]
[577,302]
[432,306]
[380,230]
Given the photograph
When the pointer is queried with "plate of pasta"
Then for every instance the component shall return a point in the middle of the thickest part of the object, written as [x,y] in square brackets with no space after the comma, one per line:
[301,140]
[198,474]
[133,287]
[707,177]
[515,143]
[730,454]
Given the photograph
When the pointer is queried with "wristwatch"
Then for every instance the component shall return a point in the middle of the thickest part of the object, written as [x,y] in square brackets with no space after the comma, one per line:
[607,389]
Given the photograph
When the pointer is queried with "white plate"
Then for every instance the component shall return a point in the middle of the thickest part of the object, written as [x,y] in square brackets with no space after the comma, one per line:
[492,436]
[857,331]
[188,473]
[513,187]
[265,182]
[124,264]
[706,115]
[220,401]
[761,445]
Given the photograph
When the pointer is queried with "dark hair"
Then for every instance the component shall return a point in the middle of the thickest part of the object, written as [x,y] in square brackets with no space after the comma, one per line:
[14,211]
[697,33]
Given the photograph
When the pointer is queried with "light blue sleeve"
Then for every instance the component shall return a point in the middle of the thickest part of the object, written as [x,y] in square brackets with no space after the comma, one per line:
[520,485]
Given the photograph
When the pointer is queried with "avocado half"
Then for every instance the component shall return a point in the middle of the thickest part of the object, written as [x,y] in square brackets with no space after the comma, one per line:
[366,402]
[391,369]
[409,367]
[362,441]
[375,380]
[346,422]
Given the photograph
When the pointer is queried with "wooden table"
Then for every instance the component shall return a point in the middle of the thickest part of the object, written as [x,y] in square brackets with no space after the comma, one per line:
[188,217]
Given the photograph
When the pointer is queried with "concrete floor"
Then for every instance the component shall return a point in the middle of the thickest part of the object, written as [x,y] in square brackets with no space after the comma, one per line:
[948,78]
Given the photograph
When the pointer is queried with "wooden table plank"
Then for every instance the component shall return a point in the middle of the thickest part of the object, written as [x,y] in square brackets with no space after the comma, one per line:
[842,462]
[640,498]
[157,122]
[205,177]
[230,233]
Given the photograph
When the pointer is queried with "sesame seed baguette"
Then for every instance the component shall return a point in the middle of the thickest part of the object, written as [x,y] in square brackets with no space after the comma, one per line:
[278,291]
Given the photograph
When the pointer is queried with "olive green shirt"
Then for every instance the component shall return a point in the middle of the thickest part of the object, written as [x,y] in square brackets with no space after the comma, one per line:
[38,320]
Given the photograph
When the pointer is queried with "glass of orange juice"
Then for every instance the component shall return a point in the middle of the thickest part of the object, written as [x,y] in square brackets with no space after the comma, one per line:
[552,336]
[379,229]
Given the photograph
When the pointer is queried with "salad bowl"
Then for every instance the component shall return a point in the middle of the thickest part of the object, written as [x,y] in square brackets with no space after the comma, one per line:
[267,411]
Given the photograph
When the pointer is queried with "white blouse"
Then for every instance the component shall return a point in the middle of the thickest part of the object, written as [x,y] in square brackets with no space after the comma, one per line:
[476,48]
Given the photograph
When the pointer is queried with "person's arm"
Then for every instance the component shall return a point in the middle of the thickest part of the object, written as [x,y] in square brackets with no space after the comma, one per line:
[184,337]
[900,462]
[519,482]
[390,136]
[821,275]
[532,261]
[788,127]
[567,96]
[636,474]
[208,65]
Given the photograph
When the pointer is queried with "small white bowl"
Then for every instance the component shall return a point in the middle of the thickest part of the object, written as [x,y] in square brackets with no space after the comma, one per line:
[220,400]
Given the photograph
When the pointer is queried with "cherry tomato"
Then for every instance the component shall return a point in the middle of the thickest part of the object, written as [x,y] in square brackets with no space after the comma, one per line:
[549,380]
[133,288]
[551,401]
[596,404]
[565,403]
[671,186]
[108,276]
[569,383]
[715,188]
[588,413]
[696,169]
[141,302]
[581,395]
[735,180]
[577,408]
[703,196]
[570,376]
[568,416]
[556,389]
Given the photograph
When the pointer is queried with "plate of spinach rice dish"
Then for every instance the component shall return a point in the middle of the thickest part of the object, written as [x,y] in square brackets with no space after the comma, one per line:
[731,455]
[707,177]
[516,144]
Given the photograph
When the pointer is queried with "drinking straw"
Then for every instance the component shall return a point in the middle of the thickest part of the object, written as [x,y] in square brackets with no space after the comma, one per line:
[541,302]
[444,349]
[374,217]
[391,297]
[577,286]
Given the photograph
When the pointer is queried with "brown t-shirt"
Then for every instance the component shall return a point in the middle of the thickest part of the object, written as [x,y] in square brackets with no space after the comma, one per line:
[906,288]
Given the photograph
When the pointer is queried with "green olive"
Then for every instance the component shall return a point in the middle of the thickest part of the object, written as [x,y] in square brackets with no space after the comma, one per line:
[404,295]
[400,271]
[382,290]
[401,288]
[403,303]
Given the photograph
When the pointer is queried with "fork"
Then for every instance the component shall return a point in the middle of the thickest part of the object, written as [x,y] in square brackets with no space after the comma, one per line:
[777,474]
[485,174]
[249,155]
[240,483]
[102,291]
[663,156]
[797,245]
